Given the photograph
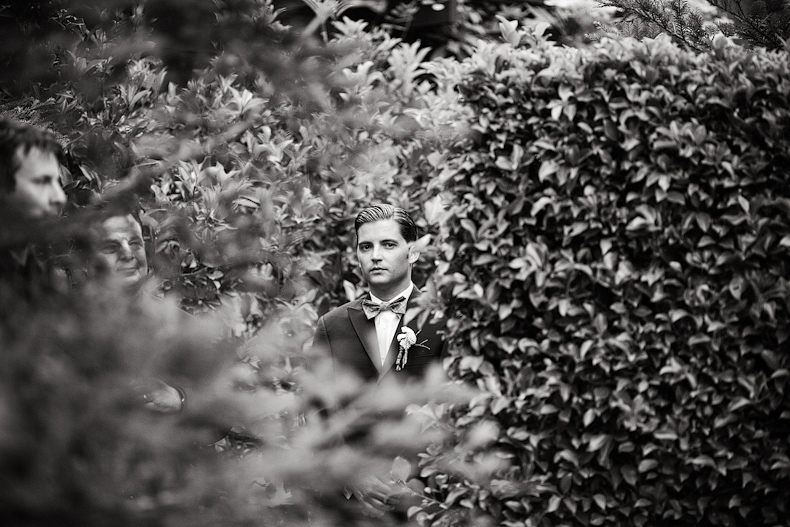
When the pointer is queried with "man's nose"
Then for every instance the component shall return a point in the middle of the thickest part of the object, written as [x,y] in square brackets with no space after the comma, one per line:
[125,252]
[375,254]
[57,197]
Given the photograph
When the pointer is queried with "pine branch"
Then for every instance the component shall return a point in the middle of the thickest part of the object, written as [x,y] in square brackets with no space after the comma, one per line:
[674,18]
[755,23]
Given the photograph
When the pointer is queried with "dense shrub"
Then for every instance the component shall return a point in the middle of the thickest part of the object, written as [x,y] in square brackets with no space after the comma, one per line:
[614,272]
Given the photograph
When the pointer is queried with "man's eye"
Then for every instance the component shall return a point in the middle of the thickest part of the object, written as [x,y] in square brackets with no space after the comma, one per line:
[135,243]
[109,249]
[389,245]
[364,247]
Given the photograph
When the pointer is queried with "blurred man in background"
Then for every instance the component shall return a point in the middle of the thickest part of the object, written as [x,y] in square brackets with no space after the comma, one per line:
[30,171]
[122,266]
[120,254]
[30,196]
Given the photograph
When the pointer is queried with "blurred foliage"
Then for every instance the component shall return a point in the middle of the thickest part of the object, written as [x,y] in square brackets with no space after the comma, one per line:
[448,27]
[78,449]
[613,270]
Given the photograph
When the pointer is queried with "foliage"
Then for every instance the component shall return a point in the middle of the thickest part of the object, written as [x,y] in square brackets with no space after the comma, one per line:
[613,270]
[78,449]
[650,18]
[447,27]
[759,23]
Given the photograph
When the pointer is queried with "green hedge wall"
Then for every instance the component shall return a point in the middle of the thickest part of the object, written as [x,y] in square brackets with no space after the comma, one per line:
[615,273]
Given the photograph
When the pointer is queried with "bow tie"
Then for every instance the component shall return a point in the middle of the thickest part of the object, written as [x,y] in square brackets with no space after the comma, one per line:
[371,309]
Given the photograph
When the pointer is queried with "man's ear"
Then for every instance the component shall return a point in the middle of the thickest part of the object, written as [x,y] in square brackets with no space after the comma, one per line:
[415,248]
[414,254]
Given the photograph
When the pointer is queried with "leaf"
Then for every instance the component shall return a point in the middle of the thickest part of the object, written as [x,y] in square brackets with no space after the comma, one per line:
[350,290]
[720,41]
[739,403]
[665,435]
[540,29]
[565,92]
[540,204]
[504,163]
[646,465]
[736,287]
[401,469]
[519,434]
[546,169]
[589,417]
[454,494]
[610,129]
[597,442]
[434,210]
[600,500]
[509,30]
[629,474]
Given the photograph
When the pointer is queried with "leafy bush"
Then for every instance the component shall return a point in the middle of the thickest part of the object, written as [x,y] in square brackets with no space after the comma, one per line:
[613,269]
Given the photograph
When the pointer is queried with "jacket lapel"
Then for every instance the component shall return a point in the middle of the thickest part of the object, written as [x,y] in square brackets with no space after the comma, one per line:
[405,320]
[366,331]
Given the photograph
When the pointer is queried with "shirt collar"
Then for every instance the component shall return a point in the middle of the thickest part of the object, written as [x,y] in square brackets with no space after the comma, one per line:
[406,293]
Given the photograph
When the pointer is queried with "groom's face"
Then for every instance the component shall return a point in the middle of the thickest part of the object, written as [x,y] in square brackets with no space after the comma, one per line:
[385,257]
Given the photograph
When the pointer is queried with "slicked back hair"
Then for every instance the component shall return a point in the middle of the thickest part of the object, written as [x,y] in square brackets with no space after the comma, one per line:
[15,134]
[387,212]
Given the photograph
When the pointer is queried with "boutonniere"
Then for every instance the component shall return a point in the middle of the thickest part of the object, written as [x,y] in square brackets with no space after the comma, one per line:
[406,339]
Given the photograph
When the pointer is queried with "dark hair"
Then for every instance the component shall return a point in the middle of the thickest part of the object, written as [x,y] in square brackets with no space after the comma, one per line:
[15,135]
[387,212]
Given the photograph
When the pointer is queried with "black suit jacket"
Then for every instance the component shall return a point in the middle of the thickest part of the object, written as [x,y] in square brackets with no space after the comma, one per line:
[347,336]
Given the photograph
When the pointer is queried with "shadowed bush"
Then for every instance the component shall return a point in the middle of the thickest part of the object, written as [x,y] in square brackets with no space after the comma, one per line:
[614,270]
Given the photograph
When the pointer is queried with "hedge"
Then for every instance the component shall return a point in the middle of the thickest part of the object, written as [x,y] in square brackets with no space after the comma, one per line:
[614,272]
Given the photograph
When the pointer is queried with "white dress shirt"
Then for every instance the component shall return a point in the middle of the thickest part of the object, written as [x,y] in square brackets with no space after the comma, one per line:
[387,323]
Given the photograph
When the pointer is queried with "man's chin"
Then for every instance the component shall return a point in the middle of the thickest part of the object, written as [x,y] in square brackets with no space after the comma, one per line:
[43,214]
[378,279]
[129,280]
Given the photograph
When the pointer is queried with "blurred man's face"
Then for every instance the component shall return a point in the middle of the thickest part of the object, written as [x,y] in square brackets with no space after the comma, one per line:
[37,191]
[122,251]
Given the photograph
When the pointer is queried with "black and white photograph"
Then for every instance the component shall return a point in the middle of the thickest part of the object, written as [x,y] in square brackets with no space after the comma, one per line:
[394,263]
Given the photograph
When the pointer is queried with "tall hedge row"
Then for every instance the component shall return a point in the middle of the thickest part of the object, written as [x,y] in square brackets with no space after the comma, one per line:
[614,269]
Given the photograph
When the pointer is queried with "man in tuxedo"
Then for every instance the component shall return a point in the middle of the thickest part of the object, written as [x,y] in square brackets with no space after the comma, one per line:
[367,335]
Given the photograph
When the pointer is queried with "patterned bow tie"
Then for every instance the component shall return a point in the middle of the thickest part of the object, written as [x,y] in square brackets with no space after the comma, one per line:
[371,309]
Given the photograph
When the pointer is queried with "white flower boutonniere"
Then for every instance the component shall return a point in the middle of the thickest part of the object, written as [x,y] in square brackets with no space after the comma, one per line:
[406,339]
